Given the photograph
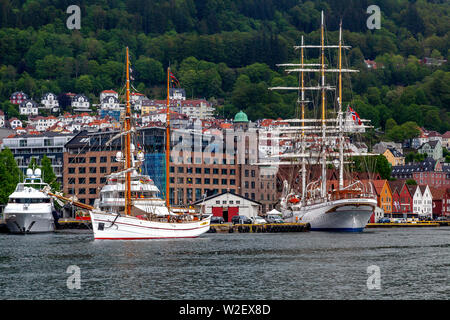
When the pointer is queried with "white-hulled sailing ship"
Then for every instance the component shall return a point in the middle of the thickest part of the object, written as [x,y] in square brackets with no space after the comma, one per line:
[129,207]
[318,144]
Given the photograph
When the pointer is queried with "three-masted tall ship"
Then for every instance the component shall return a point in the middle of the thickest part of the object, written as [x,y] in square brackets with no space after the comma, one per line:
[129,207]
[320,144]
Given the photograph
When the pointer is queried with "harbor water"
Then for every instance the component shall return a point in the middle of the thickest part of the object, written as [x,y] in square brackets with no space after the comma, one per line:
[413,264]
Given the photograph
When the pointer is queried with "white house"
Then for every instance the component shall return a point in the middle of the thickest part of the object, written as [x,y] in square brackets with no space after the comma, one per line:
[422,200]
[108,93]
[14,123]
[43,123]
[80,103]
[49,101]
[136,99]
[427,201]
[199,109]
[417,198]
[110,103]
[177,94]
[228,204]
[28,107]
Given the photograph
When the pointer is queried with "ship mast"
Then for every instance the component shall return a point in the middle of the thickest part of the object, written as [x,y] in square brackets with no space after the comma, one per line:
[340,115]
[324,156]
[167,140]
[128,144]
[303,125]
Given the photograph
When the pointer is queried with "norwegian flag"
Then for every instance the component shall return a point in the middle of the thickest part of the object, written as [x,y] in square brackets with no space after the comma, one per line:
[355,115]
[174,79]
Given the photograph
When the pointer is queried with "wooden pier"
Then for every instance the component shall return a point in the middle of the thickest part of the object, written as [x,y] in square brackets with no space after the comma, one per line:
[259,228]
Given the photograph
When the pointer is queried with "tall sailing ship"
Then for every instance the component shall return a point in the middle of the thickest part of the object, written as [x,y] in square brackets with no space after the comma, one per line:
[129,207]
[318,144]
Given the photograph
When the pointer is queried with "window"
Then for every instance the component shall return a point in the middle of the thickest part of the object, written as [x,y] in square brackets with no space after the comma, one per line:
[198,180]
[92,180]
[224,171]
[81,180]
[232,182]
[207,181]
[102,169]
[180,170]
[198,170]
[92,170]
[207,170]
[72,170]
[215,171]
[224,181]
[92,190]
[92,159]
[103,159]
[82,191]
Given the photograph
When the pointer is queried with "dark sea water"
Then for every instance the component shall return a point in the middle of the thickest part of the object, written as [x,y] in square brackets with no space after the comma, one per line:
[414,263]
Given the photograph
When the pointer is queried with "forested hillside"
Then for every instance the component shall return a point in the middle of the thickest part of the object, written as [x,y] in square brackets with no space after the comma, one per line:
[226,50]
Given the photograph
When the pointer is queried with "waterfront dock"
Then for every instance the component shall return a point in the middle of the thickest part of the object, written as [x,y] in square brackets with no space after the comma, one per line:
[71,223]
[259,228]
[405,225]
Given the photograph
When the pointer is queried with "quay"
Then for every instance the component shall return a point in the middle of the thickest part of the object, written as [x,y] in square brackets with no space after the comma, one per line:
[406,225]
[259,228]
[71,223]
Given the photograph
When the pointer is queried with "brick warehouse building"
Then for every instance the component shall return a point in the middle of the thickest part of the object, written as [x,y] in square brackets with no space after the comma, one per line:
[88,161]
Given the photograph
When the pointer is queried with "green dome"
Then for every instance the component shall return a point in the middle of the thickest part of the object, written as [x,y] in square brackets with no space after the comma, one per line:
[240,117]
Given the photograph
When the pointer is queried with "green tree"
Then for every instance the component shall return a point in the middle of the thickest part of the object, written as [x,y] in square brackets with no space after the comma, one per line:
[48,174]
[149,70]
[9,175]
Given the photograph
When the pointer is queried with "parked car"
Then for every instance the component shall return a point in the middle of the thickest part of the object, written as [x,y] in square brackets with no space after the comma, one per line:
[441,219]
[258,220]
[217,220]
[241,220]
[384,220]
[274,219]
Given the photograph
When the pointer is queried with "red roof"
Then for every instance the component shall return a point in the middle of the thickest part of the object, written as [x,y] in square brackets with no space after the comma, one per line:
[378,184]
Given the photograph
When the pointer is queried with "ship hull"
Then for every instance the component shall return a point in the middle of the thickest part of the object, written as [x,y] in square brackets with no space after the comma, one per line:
[349,215]
[26,223]
[110,226]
